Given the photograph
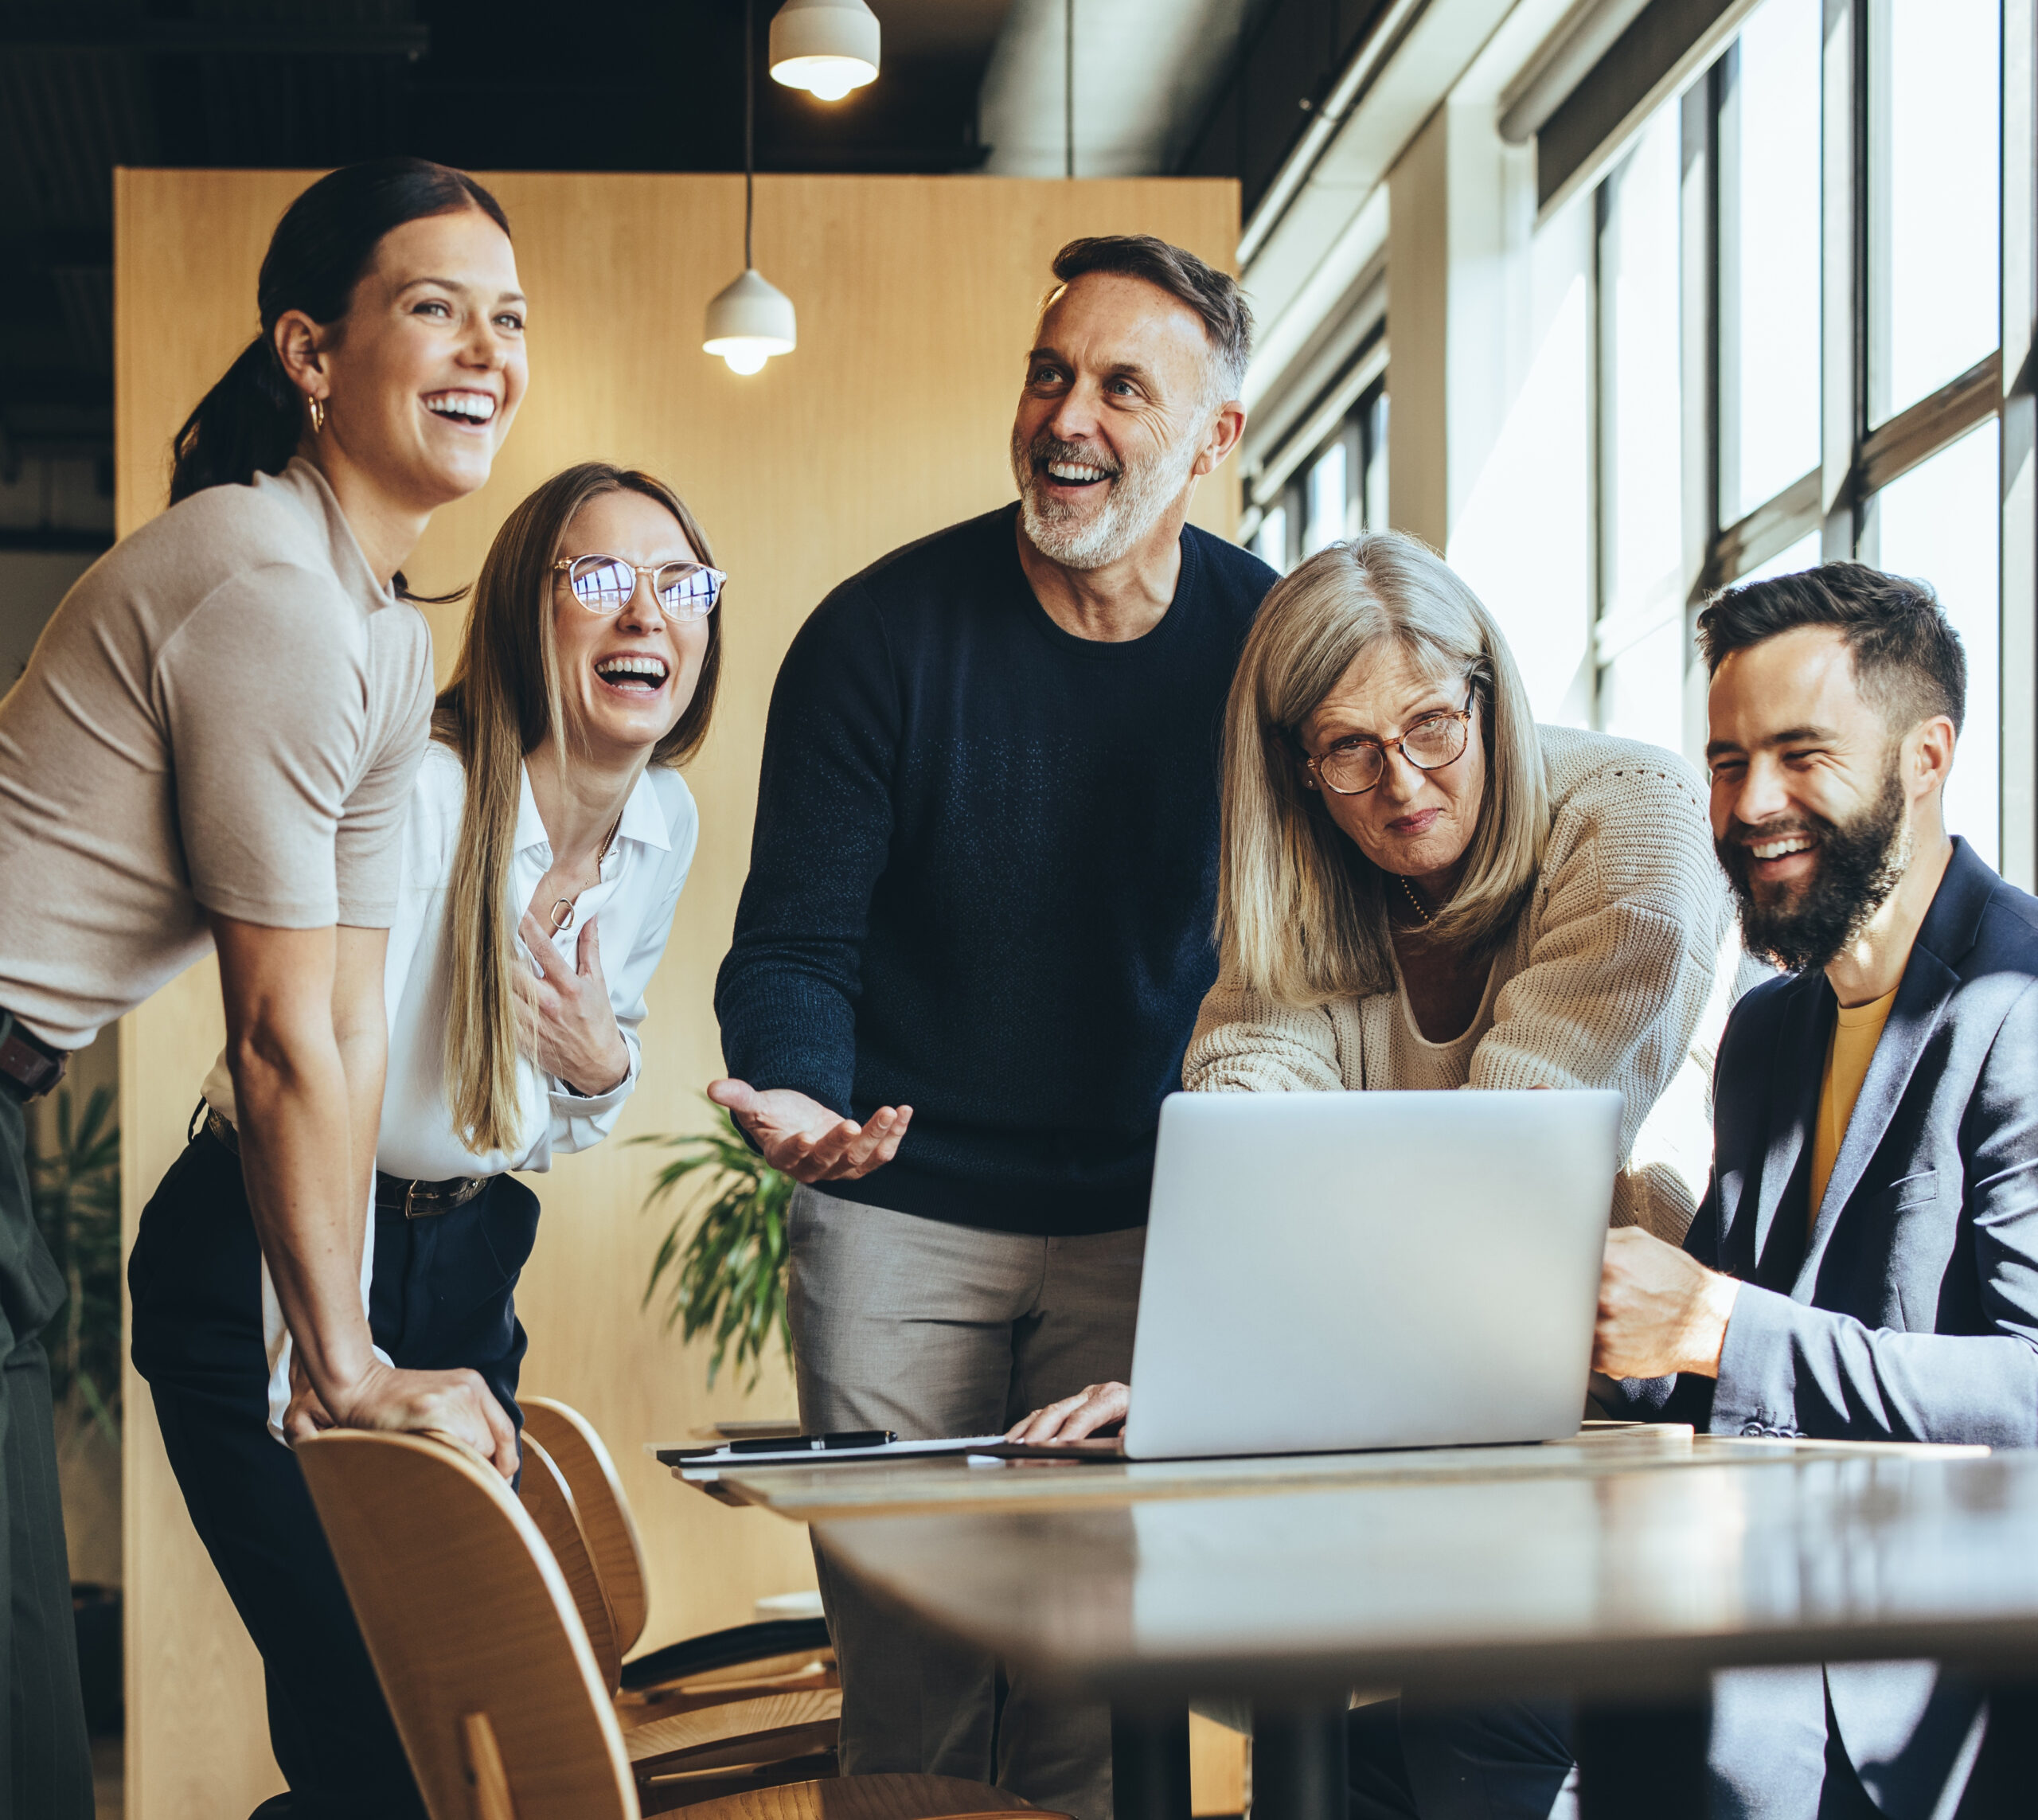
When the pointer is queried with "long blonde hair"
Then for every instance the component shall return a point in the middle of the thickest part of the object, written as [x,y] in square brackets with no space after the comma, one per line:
[503,699]
[1301,914]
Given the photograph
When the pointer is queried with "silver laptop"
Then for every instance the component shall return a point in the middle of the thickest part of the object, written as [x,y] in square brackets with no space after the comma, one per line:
[1330,1271]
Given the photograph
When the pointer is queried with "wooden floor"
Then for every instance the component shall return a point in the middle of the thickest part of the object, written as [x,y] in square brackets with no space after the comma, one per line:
[109,1775]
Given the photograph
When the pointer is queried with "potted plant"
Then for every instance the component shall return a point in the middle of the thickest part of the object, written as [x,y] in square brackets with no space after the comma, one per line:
[723,1259]
[75,1185]
[74,1180]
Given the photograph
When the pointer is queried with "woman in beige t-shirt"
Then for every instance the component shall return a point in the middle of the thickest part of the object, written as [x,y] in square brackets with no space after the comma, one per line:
[290,684]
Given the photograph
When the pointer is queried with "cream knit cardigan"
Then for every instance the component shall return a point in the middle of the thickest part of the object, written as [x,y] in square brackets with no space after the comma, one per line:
[1608,979]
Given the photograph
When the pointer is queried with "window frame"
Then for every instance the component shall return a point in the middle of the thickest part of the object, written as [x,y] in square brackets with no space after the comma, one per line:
[1365,451]
[1857,462]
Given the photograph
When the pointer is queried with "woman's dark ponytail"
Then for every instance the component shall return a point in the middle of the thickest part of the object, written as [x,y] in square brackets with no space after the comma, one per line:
[251,421]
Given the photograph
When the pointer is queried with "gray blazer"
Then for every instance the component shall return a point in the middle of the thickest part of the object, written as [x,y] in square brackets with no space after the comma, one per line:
[1910,1312]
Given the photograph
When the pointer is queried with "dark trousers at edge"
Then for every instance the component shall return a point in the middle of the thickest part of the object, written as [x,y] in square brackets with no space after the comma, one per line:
[45,1762]
[442,1297]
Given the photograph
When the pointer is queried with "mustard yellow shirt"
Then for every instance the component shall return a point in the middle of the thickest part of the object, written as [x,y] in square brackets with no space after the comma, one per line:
[1856,1032]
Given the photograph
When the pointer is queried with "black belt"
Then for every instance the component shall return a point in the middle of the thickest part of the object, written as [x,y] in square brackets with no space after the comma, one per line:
[29,1066]
[414,1200]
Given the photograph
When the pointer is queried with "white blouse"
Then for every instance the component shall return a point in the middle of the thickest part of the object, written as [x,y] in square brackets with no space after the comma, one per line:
[641,876]
[641,880]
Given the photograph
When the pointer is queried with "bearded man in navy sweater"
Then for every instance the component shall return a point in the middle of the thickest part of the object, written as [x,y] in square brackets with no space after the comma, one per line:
[974,936]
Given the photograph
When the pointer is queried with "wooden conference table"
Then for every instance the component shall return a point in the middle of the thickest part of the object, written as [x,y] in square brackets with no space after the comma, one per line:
[1620,1569]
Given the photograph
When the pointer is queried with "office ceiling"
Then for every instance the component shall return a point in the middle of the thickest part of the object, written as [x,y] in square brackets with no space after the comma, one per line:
[523,85]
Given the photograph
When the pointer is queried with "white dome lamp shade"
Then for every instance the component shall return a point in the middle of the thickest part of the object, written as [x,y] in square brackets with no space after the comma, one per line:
[750,320]
[827,47]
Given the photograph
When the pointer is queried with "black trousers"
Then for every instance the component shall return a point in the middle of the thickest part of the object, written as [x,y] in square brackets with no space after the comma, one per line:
[1512,1760]
[45,1762]
[443,1296]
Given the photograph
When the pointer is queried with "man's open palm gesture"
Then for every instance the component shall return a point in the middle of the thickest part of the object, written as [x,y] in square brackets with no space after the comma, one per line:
[807,1141]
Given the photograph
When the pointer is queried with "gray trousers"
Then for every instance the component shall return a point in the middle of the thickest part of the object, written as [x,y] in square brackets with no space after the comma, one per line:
[45,1762]
[934,1330]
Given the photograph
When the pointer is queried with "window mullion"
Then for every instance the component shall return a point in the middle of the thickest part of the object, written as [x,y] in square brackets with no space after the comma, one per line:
[2019,424]
[1843,181]
[1698,267]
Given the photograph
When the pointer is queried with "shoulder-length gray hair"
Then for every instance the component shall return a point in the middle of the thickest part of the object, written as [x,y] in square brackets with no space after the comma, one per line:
[1301,914]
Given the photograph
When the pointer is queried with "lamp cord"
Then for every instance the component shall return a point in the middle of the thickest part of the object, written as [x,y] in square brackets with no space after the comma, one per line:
[749,132]
[1068,87]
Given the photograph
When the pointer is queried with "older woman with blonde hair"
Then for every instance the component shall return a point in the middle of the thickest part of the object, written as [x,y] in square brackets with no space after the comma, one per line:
[1421,888]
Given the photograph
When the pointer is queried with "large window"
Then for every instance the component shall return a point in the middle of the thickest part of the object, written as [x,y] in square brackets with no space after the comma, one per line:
[1337,491]
[1940,521]
[1934,195]
[1766,129]
[1640,638]
[1798,315]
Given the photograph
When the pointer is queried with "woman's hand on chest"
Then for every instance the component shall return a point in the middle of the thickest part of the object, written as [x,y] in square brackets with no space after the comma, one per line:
[564,1021]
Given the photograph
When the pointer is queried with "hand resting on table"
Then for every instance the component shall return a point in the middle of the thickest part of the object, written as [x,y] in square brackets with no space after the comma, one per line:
[1075,1418]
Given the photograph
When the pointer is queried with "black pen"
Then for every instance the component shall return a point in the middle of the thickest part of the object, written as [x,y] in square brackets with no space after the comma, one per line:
[814,1443]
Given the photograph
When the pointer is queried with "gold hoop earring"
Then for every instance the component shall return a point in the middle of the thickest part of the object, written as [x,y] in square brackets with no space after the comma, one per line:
[318,416]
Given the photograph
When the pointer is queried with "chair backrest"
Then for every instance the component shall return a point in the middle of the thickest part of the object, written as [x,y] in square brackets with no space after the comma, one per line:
[547,1501]
[577,1450]
[473,1632]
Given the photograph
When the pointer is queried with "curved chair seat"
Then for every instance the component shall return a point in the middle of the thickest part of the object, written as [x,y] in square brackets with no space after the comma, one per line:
[742,1731]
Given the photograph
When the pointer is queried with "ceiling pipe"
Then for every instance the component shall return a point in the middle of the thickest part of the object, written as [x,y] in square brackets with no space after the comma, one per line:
[1159,63]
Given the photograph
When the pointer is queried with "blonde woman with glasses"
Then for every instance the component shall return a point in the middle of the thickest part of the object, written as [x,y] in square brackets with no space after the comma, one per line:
[548,837]
[1418,887]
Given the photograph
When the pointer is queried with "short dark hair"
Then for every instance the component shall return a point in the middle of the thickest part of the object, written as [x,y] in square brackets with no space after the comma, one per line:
[1907,658]
[1214,295]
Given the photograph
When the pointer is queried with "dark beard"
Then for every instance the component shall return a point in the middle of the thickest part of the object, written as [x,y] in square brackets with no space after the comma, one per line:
[1860,863]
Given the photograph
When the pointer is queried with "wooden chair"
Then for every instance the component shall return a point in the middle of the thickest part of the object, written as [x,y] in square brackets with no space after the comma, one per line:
[488,1669]
[780,1656]
[678,1734]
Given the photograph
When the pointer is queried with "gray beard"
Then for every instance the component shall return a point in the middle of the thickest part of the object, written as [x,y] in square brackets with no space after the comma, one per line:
[1138,497]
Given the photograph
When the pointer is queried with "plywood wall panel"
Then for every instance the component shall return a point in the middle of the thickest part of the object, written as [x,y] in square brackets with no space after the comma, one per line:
[916,298]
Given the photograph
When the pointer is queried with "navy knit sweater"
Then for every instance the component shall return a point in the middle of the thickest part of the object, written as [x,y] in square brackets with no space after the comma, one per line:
[983,876]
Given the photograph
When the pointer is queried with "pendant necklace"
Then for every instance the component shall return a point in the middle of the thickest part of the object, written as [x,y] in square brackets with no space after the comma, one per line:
[562,909]
[1417,902]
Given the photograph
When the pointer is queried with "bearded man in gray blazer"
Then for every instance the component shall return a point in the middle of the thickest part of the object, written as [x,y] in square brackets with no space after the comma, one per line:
[1865,1264]
[1862,1271]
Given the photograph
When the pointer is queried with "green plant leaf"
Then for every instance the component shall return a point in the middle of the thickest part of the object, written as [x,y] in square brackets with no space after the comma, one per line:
[721,1263]
[74,1187]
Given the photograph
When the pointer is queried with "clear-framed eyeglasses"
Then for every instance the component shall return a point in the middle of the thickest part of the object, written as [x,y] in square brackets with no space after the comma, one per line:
[604,585]
[1352,767]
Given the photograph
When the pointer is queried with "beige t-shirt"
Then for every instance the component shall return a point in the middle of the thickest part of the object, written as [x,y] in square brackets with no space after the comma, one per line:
[223,714]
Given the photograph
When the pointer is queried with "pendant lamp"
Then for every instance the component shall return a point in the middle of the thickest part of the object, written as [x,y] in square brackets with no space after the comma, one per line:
[750,320]
[827,47]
